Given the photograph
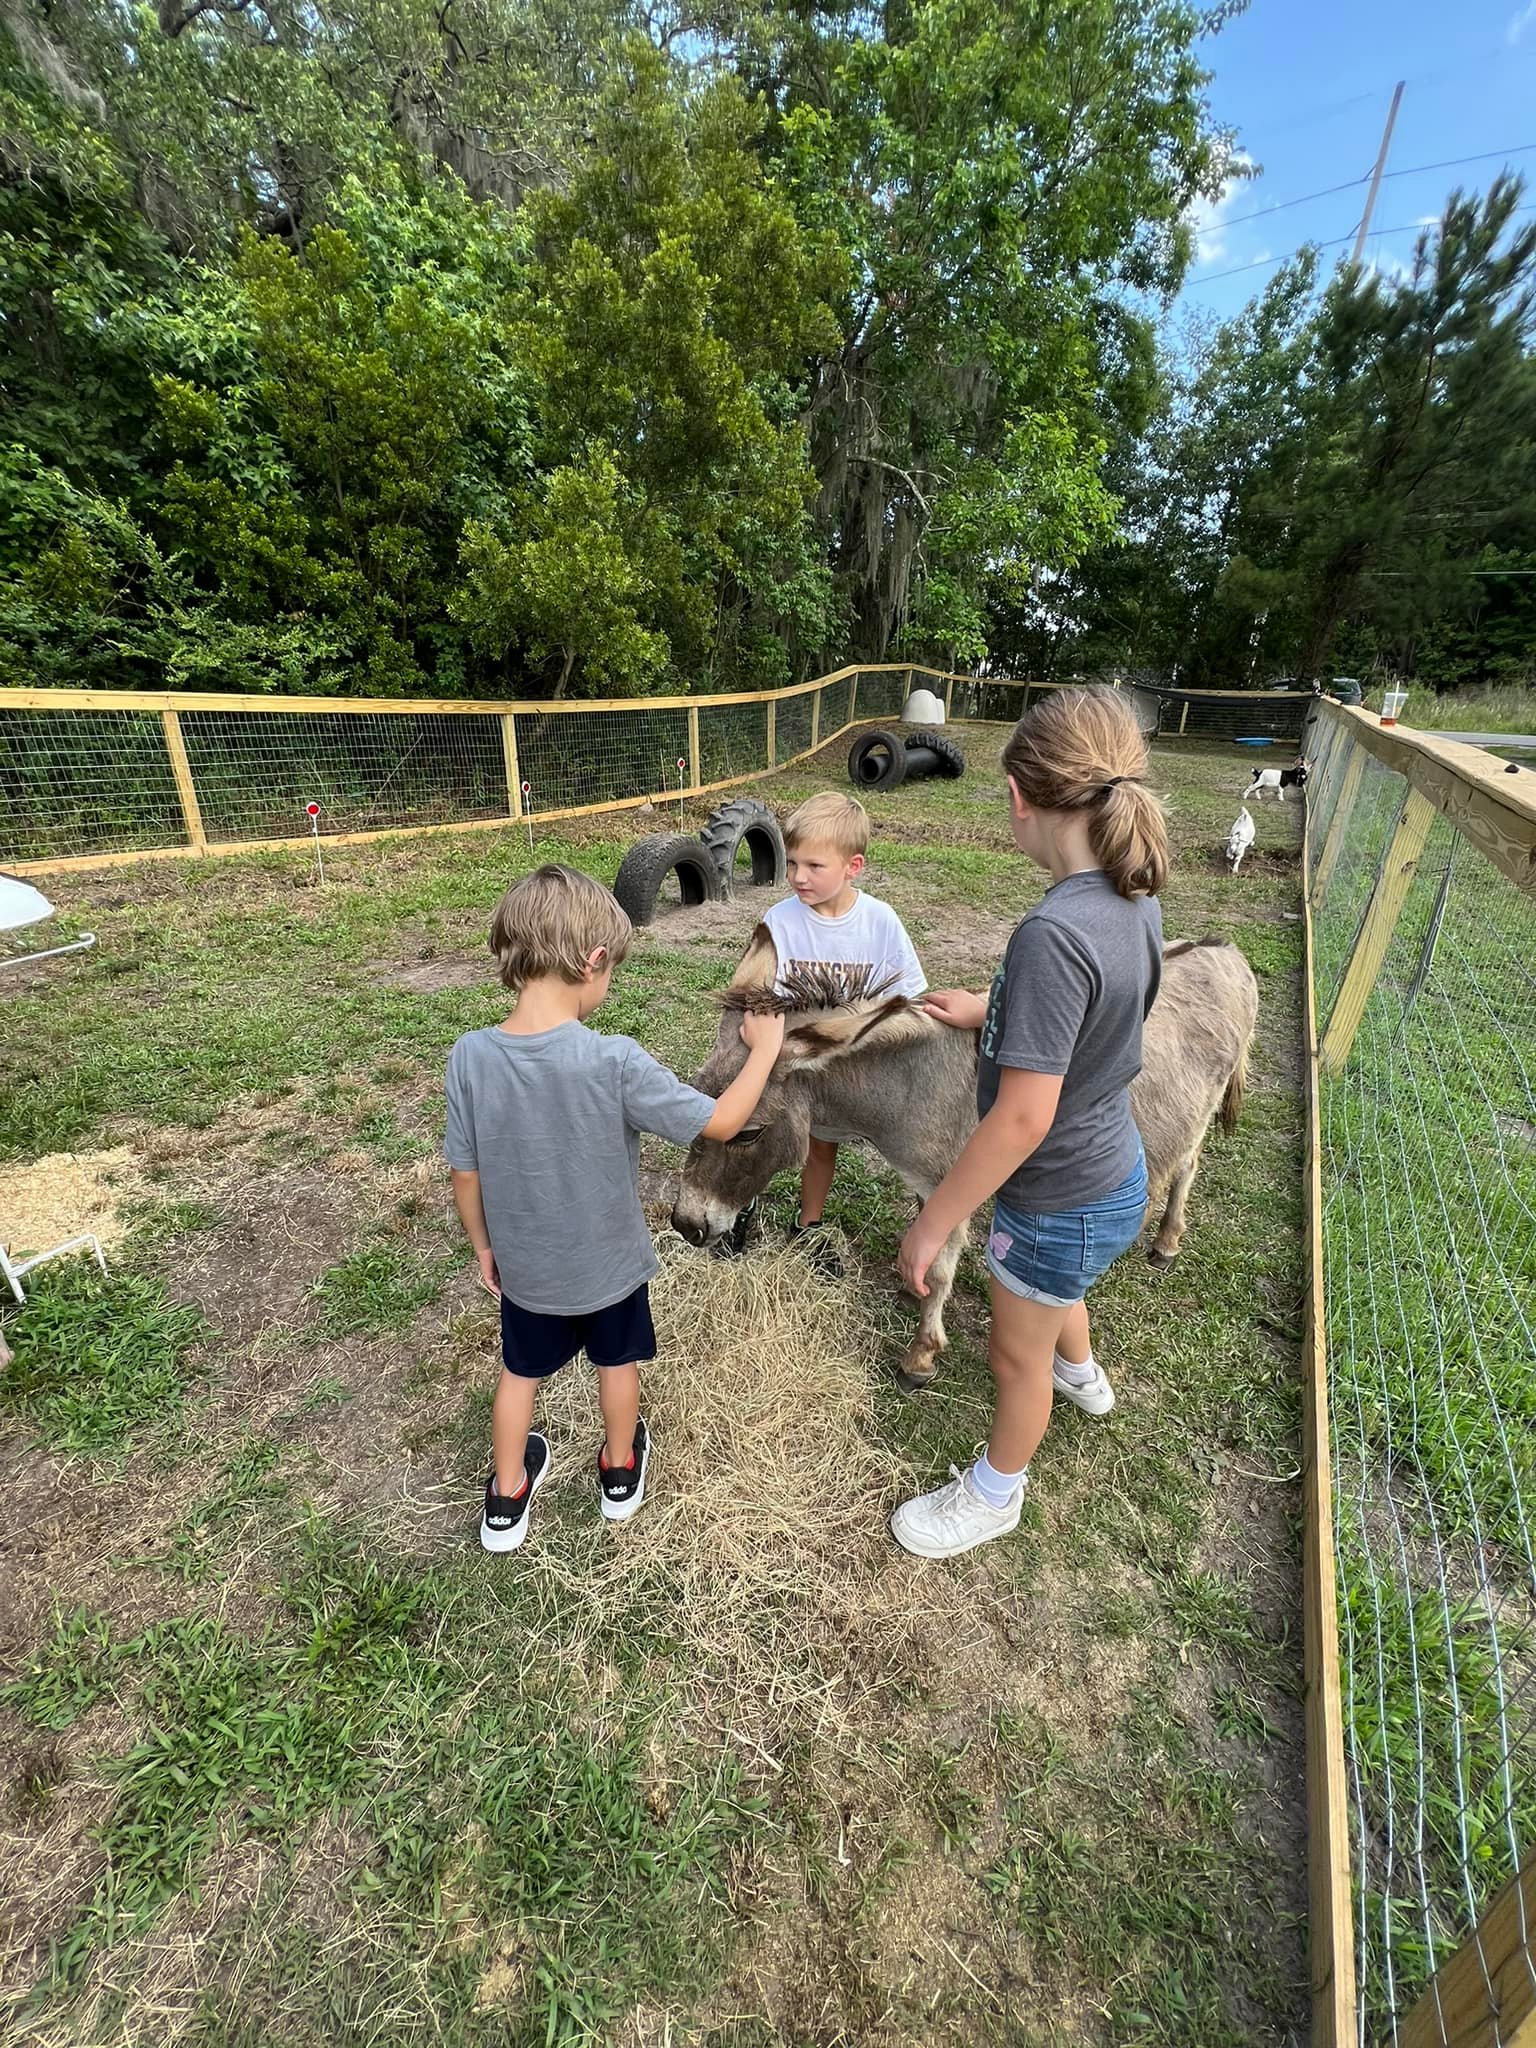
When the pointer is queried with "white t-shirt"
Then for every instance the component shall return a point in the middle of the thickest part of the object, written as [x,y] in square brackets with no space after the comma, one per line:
[870,934]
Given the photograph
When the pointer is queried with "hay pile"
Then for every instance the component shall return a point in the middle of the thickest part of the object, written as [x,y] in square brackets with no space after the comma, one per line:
[67,1195]
[770,1488]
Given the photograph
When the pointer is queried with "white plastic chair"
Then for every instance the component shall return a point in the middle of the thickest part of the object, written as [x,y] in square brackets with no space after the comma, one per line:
[21,904]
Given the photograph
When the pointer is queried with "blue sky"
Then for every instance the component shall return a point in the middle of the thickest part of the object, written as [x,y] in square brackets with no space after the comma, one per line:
[1306,85]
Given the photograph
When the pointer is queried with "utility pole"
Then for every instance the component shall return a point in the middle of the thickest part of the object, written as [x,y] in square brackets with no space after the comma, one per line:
[1381,165]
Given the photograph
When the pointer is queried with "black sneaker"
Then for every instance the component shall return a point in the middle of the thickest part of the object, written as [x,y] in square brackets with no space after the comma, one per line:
[504,1523]
[819,1248]
[623,1487]
[734,1242]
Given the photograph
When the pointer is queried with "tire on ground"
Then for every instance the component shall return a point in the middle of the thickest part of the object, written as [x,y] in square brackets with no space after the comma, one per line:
[746,818]
[648,863]
[951,759]
[878,760]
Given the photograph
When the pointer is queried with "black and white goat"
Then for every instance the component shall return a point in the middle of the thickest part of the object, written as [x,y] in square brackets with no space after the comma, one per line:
[1277,779]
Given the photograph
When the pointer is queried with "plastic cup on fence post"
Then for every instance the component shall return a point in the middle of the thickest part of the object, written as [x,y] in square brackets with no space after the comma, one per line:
[1391,706]
[312,812]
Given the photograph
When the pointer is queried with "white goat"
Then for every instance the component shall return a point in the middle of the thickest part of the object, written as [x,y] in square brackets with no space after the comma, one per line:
[1240,838]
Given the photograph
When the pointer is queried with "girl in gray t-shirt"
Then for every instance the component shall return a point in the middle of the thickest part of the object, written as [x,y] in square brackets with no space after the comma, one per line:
[1056,1145]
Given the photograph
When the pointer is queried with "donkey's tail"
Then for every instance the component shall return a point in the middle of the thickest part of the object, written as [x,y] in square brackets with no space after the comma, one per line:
[1232,1102]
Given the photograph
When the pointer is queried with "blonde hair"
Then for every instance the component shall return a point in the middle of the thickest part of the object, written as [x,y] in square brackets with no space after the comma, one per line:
[551,922]
[829,819]
[1082,750]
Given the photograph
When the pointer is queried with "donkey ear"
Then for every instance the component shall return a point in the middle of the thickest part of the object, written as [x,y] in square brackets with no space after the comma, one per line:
[759,967]
[824,1039]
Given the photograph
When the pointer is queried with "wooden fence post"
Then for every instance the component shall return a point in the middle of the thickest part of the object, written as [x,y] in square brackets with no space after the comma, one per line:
[949,700]
[773,733]
[509,759]
[853,697]
[1331,1940]
[693,745]
[1399,865]
[815,720]
[1456,2010]
[181,773]
[1184,716]
[1344,803]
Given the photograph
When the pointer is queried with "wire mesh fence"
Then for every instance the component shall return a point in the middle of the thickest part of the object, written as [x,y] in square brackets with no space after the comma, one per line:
[1425,980]
[86,776]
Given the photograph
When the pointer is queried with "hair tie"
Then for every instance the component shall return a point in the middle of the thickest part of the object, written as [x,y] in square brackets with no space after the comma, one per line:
[1114,782]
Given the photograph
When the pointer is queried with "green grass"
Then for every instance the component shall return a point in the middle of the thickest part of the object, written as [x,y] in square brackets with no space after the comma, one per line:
[1511,708]
[97,1360]
[456,1805]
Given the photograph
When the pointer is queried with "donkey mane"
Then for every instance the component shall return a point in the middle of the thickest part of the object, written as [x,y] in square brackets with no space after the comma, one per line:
[811,985]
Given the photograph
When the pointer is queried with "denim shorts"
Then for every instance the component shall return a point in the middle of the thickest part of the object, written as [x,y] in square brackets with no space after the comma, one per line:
[533,1345]
[1056,1259]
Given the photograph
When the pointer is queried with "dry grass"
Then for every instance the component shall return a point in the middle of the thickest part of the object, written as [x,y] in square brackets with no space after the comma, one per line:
[769,1493]
[66,1195]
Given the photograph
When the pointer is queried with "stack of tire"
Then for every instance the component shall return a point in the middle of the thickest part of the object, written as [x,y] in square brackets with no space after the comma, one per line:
[705,865]
[884,760]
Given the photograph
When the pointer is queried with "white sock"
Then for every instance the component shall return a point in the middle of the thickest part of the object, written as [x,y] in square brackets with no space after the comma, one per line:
[1075,1374]
[996,1488]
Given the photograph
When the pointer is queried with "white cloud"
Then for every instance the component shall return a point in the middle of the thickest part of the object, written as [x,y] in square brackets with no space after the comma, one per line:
[1432,220]
[1208,216]
[1519,23]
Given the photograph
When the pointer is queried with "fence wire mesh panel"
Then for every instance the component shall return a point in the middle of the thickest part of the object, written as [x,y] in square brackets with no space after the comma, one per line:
[81,782]
[733,740]
[793,725]
[836,706]
[1428,1154]
[254,775]
[884,692]
[570,759]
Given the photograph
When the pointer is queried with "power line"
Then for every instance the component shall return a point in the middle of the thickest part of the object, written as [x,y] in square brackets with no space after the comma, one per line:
[1450,163]
[1337,241]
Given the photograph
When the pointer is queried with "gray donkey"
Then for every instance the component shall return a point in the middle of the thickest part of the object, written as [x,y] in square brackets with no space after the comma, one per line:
[877,1068]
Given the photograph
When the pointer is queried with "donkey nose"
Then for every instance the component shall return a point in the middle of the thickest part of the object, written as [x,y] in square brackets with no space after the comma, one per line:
[693,1228]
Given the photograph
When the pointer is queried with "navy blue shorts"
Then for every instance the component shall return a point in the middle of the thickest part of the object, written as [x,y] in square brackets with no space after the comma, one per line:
[534,1346]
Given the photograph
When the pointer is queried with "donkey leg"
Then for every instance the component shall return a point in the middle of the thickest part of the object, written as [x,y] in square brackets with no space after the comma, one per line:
[1170,1231]
[921,1362]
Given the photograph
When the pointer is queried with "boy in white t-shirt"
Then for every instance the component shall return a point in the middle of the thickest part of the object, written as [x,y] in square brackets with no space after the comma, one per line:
[828,918]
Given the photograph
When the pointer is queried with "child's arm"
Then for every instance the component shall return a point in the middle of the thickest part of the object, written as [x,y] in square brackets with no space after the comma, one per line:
[466,1199]
[957,1007]
[1010,1131]
[762,1037]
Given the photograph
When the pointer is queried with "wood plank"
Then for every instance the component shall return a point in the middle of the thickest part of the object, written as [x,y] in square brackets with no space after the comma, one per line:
[1331,1935]
[693,742]
[1353,767]
[510,762]
[773,731]
[1399,865]
[816,721]
[1455,2011]
[1487,804]
[186,788]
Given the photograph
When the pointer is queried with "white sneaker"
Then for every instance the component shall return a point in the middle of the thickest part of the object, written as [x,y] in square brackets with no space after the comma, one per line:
[1094,1397]
[954,1518]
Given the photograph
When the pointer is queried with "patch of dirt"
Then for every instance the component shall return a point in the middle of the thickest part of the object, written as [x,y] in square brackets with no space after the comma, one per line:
[723,927]
[432,975]
[65,1195]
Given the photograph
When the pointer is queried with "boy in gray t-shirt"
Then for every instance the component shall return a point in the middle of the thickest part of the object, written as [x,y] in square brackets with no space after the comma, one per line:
[544,1123]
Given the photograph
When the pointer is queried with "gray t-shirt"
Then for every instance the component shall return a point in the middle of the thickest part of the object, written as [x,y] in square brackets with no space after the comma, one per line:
[1081,972]
[551,1122]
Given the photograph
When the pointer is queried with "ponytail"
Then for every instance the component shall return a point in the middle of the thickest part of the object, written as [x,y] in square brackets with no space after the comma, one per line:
[1082,750]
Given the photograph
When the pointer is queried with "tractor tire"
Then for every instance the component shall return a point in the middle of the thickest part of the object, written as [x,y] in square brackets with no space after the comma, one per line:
[745,818]
[648,863]
[951,760]
[878,760]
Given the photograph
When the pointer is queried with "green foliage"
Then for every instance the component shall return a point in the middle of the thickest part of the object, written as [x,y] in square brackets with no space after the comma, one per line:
[382,353]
